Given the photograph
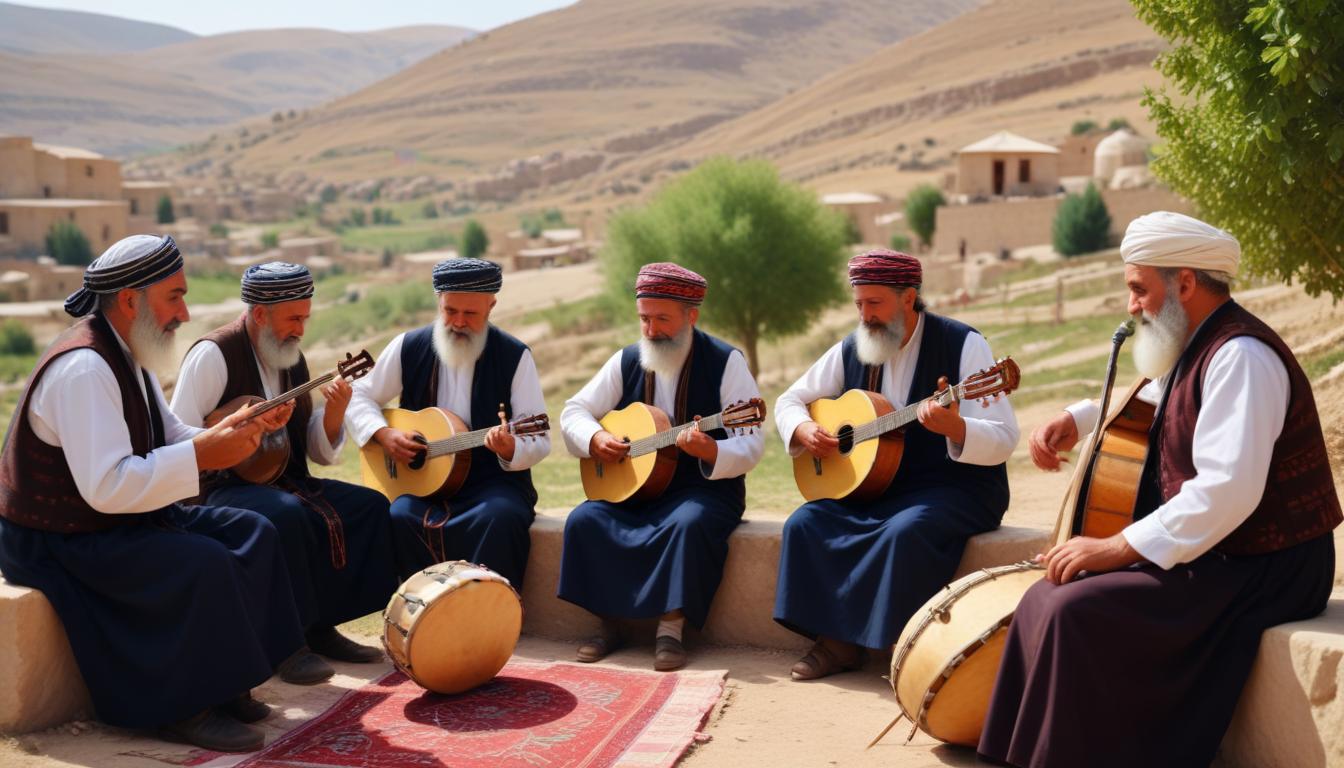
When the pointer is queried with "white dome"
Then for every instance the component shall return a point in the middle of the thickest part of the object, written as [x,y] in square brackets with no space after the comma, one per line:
[1119,150]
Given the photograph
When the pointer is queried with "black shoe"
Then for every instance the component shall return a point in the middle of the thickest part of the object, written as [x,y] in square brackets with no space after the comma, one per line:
[214,731]
[304,668]
[332,644]
[246,709]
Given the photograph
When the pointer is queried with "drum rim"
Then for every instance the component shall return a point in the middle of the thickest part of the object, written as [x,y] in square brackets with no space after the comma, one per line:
[406,667]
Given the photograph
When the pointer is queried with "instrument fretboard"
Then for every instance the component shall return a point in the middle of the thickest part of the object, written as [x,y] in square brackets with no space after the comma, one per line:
[899,418]
[668,437]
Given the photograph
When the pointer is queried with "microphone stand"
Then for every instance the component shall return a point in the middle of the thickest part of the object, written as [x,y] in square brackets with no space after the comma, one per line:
[1124,331]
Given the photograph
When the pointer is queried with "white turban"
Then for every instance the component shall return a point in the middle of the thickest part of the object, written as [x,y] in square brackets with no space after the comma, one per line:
[1166,239]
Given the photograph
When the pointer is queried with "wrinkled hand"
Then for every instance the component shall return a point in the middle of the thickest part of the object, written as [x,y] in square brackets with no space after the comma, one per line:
[698,444]
[943,421]
[1051,439]
[815,440]
[276,418]
[1065,561]
[229,442]
[608,448]
[400,445]
[500,440]
[337,394]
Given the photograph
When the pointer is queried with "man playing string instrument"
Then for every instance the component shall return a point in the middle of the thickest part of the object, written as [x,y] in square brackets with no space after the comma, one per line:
[661,558]
[174,612]
[336,535]
[1151,632]
[464,364]
[851,573]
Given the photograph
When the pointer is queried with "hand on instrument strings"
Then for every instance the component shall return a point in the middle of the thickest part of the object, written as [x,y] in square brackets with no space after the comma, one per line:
[337,394]
[815,440]
[607,447]
[276,418]
[398,444]
[500,440]
[698,444]
[943,421]
[1083,553]
[1052,438]
[233,439]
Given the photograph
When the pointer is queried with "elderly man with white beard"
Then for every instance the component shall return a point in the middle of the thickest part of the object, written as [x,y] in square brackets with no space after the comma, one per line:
[851,573]
[336,536]
[173,611]
[464,364]
[1135,648]
[661,558]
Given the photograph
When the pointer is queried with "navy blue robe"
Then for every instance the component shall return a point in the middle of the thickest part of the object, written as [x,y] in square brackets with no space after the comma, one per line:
[636,560]
[857,571]
[167,618]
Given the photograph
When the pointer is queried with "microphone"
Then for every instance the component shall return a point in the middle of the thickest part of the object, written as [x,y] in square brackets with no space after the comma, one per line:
[1124,331]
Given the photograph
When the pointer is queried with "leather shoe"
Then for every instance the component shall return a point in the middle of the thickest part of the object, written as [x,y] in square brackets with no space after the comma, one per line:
[821,662]
[216,732]
[246,709]
[304,668]
[596,648]
[668,654]
[332,644]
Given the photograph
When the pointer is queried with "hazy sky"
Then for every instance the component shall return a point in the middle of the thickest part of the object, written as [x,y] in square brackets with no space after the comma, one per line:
[208,18]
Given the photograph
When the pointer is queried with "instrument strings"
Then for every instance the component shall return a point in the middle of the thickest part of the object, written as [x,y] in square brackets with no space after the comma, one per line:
[897,419]
[669,436]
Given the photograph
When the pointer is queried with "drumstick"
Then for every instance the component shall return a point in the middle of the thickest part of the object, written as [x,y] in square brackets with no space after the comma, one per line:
[885,731]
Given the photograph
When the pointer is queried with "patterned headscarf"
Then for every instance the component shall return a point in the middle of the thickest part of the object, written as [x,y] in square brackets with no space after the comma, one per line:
[883,266]
[467,276]
[138,261]
[665,280]
[276,282]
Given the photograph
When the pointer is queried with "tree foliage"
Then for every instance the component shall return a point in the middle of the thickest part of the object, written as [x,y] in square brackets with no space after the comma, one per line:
[1254,132]
[474,240]
[1082,223]
[772,254]
[921,211]
[165,211]
[16,339]
[67,244]
[1081,127]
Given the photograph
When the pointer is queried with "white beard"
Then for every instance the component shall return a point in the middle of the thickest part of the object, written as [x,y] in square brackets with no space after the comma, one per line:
[151,346]
[877,346]
[277,355]
[457,350]
[1159,340]
[664,357]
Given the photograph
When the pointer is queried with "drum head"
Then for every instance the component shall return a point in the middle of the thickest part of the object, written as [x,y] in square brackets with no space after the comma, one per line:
[465,637]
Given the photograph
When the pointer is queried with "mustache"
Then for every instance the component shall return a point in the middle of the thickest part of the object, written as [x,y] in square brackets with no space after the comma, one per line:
[172,325]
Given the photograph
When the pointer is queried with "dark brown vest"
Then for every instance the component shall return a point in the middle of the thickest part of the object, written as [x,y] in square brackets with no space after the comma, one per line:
[37,489]
[245,379]
[1299,502]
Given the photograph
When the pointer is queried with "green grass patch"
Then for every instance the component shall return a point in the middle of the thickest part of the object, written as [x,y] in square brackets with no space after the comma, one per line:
[595,313]
[408,237]
[1320,363]
[399,305]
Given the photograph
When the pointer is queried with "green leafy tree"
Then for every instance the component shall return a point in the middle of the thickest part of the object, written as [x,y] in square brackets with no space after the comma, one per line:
[166,210]
[474,240]
[1082,223]
[1253,123]
[921,211]
[774,257]
[1081,127]
[67,244]
[270,239]
[357,217]
[15,339]
[219,230]
[429,210]
[853,234]
[1117,123]
[900,242]
[330,194]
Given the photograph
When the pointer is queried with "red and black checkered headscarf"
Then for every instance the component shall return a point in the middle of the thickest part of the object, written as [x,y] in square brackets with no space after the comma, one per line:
[665,280]
[883,266]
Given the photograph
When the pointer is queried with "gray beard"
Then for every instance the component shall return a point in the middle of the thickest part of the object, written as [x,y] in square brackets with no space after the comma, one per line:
[664,357]
[457,350]
[277,355]
[877,346]
[151,346]
[1159,340]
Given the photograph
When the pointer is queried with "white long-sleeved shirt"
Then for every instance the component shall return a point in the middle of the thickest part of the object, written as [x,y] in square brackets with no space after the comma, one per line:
[1245,400]
[991,432]
[364,416]
[738,453]
[201,382]
[77,407]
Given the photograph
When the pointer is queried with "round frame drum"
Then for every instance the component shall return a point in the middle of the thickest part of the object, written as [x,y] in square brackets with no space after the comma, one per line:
[452,626]
[947,658]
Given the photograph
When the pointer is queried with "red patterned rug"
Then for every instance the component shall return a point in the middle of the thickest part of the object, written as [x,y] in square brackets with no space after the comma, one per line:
[532,714]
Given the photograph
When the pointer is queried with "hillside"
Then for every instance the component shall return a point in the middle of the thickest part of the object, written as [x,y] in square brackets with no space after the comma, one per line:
[25,29]
[601,76]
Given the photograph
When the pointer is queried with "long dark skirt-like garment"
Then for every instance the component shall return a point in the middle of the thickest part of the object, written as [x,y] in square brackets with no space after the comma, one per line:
[639,560]
[1143,667]
[857,572]
[327,595]
[487,526]
[164,622]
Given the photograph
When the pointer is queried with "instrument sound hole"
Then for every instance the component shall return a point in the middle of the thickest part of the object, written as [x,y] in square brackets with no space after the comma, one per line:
[846,437]
[418,460]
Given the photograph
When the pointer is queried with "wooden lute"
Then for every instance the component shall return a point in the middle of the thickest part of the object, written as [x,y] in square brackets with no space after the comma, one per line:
[1110,490]
[652,460]
[268,462]
[871,445]
[438,471]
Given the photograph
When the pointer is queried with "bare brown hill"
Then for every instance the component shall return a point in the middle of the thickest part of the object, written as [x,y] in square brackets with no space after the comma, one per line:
[604,76]
[27,29]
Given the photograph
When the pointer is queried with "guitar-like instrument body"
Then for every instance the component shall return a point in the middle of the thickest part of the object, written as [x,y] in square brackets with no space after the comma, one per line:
[438,471]
[871,443]
[1110,491]
[268,462]
[652,461]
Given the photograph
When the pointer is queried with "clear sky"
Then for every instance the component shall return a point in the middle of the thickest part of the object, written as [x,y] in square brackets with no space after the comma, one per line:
[208,17]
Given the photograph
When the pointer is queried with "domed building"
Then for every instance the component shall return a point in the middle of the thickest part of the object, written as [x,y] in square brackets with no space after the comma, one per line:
[1122,149]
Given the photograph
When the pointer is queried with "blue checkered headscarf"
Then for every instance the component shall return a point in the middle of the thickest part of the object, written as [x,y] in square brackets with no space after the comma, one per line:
[467,276]
[276,282]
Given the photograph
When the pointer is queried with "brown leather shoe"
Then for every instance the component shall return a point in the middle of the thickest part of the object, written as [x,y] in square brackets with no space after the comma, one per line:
[214,731]
[821,662]
[668,654]
[596,648]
